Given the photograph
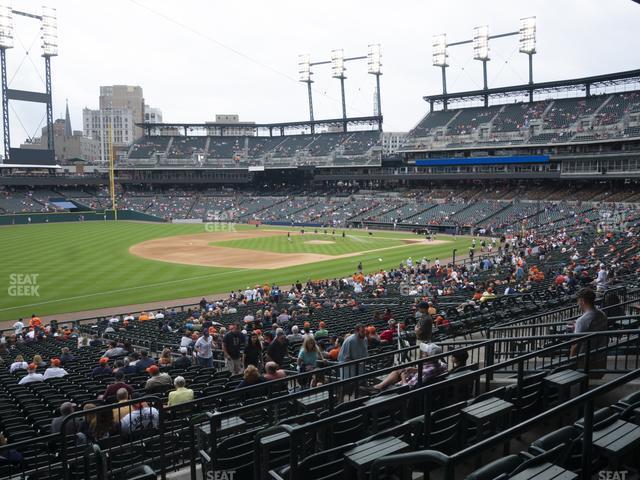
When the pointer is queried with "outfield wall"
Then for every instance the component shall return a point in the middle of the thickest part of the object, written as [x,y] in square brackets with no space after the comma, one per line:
[91,215]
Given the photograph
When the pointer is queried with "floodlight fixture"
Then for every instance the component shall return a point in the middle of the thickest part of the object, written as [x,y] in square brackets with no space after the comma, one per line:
[304,68]
[439,52]
[481,43]
[6,25]
[527,38]
[49,32]
[374,59]
[337,63]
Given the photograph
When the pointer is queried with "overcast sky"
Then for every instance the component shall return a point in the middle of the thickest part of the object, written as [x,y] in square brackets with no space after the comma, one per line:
[195,59]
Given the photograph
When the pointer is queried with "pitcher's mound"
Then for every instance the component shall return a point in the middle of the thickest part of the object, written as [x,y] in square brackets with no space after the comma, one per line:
[320,242]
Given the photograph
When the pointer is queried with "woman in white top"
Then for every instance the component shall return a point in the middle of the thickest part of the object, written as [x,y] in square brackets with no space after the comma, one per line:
[19,364]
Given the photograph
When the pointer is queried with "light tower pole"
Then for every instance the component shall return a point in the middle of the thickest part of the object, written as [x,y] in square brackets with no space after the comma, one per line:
[304,75]
[337,71]
[527,43]
[439,59]
[49,49]
[481,52]
[6,42]
[374,67]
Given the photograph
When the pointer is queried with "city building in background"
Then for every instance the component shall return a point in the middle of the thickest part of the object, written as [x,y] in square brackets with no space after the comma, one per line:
[391,142]
[69,145]
[152,115]
[120,109]
[230,124]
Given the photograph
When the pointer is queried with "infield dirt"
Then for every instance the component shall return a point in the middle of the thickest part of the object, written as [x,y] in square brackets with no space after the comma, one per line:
[196,249]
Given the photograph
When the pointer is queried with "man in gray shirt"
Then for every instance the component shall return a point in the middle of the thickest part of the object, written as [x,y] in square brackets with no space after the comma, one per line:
[353,348]
[592,320]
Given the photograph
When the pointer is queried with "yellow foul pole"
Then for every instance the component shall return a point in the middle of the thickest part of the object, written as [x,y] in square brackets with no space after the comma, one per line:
[112,187]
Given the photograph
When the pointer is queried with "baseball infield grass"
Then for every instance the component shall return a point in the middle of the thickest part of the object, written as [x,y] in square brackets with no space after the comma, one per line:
[335,245]
[66,267]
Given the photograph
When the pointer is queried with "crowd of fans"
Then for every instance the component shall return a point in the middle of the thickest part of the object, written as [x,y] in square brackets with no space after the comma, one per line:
[550,121]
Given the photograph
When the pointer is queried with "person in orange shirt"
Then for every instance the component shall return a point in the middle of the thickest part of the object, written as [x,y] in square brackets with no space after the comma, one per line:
[143,317]
[333,353]
[35,322]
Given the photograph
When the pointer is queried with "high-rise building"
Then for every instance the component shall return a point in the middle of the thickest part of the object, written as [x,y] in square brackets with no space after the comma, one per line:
[112,123]
[391,141]
[121,97]
[121,107]
[152,115]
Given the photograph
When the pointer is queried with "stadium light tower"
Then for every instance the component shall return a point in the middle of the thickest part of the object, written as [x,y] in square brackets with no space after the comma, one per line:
[49,49]
[374,67]
[527,43]
[6,42]
[337,71]
[304,75]
[439,57]
[481,52]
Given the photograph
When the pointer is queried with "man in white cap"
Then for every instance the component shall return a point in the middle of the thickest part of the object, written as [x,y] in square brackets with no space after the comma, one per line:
[409,376]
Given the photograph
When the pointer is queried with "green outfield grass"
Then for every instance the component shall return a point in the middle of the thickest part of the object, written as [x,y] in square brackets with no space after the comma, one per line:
[65,267]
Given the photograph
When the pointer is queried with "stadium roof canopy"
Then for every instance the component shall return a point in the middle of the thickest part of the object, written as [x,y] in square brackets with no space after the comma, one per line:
[264,128]
[584,83]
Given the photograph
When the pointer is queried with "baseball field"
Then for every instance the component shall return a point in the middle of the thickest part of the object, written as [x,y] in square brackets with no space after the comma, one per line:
[57,268]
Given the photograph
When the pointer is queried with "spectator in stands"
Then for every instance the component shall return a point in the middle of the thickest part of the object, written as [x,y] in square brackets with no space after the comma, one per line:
[204,350]
[38,361]
[181,394]
[143,417]
[18,364]
[232,345]
[273,372]
[95,341]
[145,361]
[601,278]
[253,351]
[158,382]
[118,383]
[9,456]
[251,377]
[278,350]
[165,359]
[424,322]
[102,368]
[31,375]
[322,331]
[54,371]
[308,356]
[183,361]
[71,427]
[18,326]
[592,320]
[122,396]
[114,350]
[127,367]
[66,355]
[186,340]
[409,376]
[97,425]
[295,335]
[335,351]
[387,335]
[353,348]
[459,359]
[373,339]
